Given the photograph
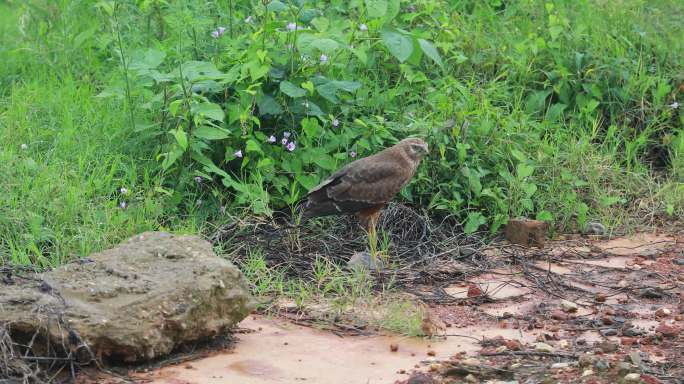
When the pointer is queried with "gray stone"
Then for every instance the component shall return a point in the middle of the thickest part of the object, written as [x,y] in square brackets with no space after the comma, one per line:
[131,303]
[602,365]
[632,331]
[594,228]
[365,261]
[608,332]
[678,261]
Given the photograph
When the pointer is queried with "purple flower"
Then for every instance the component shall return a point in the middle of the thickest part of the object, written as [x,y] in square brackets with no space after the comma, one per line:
[335,122]
[272,139]
[363,27]
[284,141]
[218,32]
[352,154]
[291,26]
[123,204]
[324,58]
[286,134]
[291,147]
[238,153]
[198,179]
[123,191]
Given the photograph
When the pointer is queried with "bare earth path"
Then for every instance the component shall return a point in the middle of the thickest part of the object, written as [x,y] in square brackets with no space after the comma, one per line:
[587,311]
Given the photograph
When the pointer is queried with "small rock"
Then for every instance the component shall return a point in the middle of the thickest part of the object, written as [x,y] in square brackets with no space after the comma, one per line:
[668,330]
[663,312]
[602,365]
[559,365]
[564,344]
[420,378]
[543,347]
[679,317]
[608,347]
[587,372]
[627,341]
[608,332]
[526,232]
[601,297]
[364,260]
[471,379]
[594,228]
[501,349]
[607,320]
[474,290]
[678,261]
[559,315]
[632,332]
[434,367]
[513,345]
[431,353]
[569,306]
[624,368]
[585,360]
[394,347]
[648,379]
[632,378]
[651,293]
[470,361]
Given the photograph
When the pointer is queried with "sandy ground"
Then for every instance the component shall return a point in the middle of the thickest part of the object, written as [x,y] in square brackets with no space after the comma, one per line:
[588,311]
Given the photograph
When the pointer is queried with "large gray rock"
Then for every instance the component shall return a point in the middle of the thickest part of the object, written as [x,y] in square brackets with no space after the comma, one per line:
[132,303]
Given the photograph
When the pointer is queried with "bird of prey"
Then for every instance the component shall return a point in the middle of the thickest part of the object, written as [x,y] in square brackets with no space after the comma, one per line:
[364,186]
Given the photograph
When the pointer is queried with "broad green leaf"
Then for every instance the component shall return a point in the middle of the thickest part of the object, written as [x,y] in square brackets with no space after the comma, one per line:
[474,221]
[524,170]
[210,110]
[253,146]
[181,138]
[399,45]
[393,9]
[276,6]
[201,70]
[349,86]
[545,216]
[329,92]
[291,90]
[326,162]
[171,157]
[146,59]
[209,165]
[269,106]
[308,181]
[211,133]
[376,8]
[430,51]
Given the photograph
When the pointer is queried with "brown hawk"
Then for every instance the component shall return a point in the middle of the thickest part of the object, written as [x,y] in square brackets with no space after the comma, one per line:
[364,186]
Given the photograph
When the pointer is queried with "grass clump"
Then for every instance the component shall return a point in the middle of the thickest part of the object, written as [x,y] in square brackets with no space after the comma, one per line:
[564,111]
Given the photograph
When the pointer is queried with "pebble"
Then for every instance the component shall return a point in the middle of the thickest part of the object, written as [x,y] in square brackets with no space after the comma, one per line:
[668,330]
[543,347]
[431,353]
[602,365]
[632,378]
[650,293]
[624,368]
[627,341]
[470,361]
[471,379]
[568,306]
[631,332]
[585,360]
[663,312]
[564,344]
[608,347]
[394,347]
[513,345]
[678,261]
[560,365]
[601,297]
[587,372]
[608,332]
[594,228]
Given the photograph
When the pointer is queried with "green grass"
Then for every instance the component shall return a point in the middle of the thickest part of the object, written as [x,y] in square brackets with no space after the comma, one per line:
[560,110]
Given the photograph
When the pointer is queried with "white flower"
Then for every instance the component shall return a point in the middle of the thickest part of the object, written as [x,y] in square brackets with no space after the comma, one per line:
[24,147]
[198,179]
[123,204]
[272,139]
[123,190]
[291,26]
[363,27]
[284,141]
[286,134]
[324,58]
[335,123]
[674,105]
[249,19]
[238,153]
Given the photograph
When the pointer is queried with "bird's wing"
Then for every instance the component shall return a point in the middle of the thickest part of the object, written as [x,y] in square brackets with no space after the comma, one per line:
[373,182]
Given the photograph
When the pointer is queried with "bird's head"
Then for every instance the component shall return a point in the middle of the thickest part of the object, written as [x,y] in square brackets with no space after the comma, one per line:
[415,147]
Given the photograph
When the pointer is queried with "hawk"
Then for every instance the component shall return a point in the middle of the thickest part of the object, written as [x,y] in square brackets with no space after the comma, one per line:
[364,186]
